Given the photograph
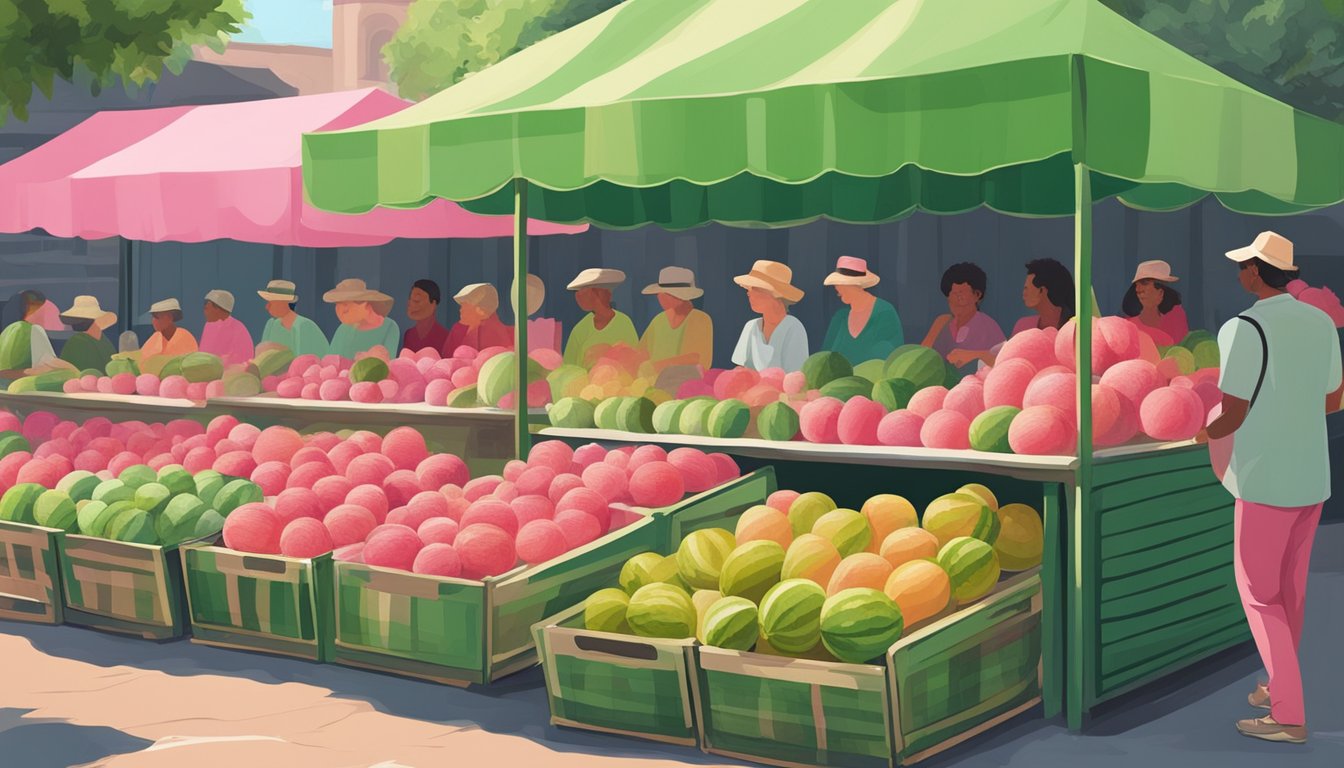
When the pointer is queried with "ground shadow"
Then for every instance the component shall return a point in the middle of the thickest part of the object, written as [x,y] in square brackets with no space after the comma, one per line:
[55,744]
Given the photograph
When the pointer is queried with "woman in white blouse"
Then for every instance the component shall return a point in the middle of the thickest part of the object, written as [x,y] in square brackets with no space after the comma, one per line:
[777,339]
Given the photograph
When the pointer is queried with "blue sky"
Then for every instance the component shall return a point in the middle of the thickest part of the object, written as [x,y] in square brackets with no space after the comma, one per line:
[292,22]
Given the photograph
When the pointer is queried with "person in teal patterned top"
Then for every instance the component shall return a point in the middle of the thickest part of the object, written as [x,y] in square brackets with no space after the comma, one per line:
[868,328]
[364,321]
[287,327]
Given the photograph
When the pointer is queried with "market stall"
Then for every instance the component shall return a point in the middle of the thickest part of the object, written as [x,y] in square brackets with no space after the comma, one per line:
[864,112]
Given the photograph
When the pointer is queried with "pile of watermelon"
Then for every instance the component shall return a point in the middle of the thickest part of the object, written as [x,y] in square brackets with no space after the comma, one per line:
[139,505]
[196,376]
[436,521]
[801,577]
[468,379]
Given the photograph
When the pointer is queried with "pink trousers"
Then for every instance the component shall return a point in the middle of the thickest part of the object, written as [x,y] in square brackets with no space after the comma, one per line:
[1273,550]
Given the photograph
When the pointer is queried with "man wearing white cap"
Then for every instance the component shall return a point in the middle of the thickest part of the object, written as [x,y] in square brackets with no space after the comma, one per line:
[287,328]
[224,335]
[88,348]
[603,325]
[1281,374]
[169,340]
[478,325]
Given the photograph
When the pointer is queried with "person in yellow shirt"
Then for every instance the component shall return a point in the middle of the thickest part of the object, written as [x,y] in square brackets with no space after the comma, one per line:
[604,324]
[169,340]
[680,334]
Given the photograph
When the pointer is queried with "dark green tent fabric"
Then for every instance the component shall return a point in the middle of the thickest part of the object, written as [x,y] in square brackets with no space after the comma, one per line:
[774,112]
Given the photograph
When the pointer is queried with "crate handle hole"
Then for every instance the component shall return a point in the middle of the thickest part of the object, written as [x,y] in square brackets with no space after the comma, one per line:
[616,648]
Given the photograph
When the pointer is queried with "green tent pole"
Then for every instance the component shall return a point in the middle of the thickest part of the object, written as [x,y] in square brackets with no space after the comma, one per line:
[125,270]
[523,436]
[1082,604]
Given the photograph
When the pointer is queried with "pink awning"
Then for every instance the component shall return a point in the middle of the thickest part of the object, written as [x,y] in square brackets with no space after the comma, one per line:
[190,174]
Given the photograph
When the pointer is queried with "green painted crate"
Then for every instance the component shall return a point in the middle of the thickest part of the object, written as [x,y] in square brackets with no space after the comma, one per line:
[30,574]
[266,603]
[461,631]
[600,681]
[117,586]
[941,684]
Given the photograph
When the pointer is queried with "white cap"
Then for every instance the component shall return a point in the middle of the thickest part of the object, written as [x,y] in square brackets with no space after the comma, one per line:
[221,299]
[597,277]
[1270,247]
[167,305]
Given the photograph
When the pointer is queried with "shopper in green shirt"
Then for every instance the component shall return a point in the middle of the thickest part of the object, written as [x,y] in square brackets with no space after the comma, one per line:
[603,325]
[88,348]
[364,321]
[287,327]
[680,334]
[868,328]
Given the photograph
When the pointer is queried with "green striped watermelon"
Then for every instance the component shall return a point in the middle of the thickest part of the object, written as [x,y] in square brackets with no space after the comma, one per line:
[960,514]
[661,610]
[752,569]
[701,556]
[731,622]
[16,506]
[972,565]
[860,624]
[11,442]
[790,615]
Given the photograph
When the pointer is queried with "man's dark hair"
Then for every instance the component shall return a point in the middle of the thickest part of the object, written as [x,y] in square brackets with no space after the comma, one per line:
[31,297]
[1275,278]
[293,304]
[176,314]
[430,288]
[1131,306]
[967,273]
[1057,281]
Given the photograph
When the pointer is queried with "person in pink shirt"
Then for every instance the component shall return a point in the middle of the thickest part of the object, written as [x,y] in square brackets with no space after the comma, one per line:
[1154,306]
[224,335]
[1048,293]
[478,326]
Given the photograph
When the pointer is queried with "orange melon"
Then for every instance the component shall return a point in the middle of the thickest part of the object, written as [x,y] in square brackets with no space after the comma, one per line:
[810,557]
[922,589]
[863,569]
[886,513]
[762,523]
[906,544]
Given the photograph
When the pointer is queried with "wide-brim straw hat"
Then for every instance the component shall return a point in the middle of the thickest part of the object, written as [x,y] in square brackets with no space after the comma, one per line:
[280,290]
[87,308]
[1270,247]
[851,270]
[774,277]
[1154,270]
[676,281]
[597,277]
[354,289]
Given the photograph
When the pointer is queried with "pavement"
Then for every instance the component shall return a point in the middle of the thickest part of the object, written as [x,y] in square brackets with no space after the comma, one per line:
[73,697]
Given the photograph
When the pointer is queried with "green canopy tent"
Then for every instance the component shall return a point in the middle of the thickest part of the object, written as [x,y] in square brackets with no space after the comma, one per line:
[775,112]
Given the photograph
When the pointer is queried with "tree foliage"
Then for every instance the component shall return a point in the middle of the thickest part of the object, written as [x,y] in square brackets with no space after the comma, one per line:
[1291,49]
[128,40]
[444,41]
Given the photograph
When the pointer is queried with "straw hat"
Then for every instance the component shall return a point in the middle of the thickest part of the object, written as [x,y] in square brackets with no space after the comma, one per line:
[482,295]
[1154,270]
[1270,247]
[851,270]
[676,281]
[280,290]
[771,276]
[167,305]
[87,308]
[221,299]
[354,289]
[597,278]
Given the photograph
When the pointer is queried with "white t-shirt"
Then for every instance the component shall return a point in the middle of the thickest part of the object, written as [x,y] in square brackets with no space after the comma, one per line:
[1280,454]
[787,347]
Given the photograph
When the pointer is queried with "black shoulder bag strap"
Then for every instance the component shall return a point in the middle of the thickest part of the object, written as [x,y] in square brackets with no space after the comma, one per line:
[1264,358]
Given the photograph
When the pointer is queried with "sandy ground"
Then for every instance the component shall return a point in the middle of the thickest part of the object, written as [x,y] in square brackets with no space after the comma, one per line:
[73,697]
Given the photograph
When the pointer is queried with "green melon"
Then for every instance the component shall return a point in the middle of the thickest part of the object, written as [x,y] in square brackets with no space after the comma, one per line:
[137,475]
[921,366]
[274,362]
[989,430]
[152,497]
[16,506]
[132,525]
[778,421]
[667,416]
[561,378]
[661,610]
[845,387]
[648,568]
[463,397]
[55,509]
[91,517]
[604,416]
[1206,355]
[728,419]
[701,556]
[79,485]
[960,514]
[235,494]
[571,413]
[177,480]
[846,529]
[16,352]
[604,611]
[119,365]
[178,520]
[208,482]
[860,624]
[971,565]
[369,369]
[109,491]
[200,367]
[694,419]
[731,623]
[1196,337]
[790,615]
[635,414]
[824,367]
[807,509]
[12,442]
[499,376]
[893,394]
[751,569]
[872,370]
[209,524]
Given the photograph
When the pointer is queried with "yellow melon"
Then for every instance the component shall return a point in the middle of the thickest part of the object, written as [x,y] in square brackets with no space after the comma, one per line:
[921,589]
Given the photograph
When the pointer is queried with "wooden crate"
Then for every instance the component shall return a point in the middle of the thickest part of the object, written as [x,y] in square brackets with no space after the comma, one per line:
[117,586]
[30,574]
[267,603]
